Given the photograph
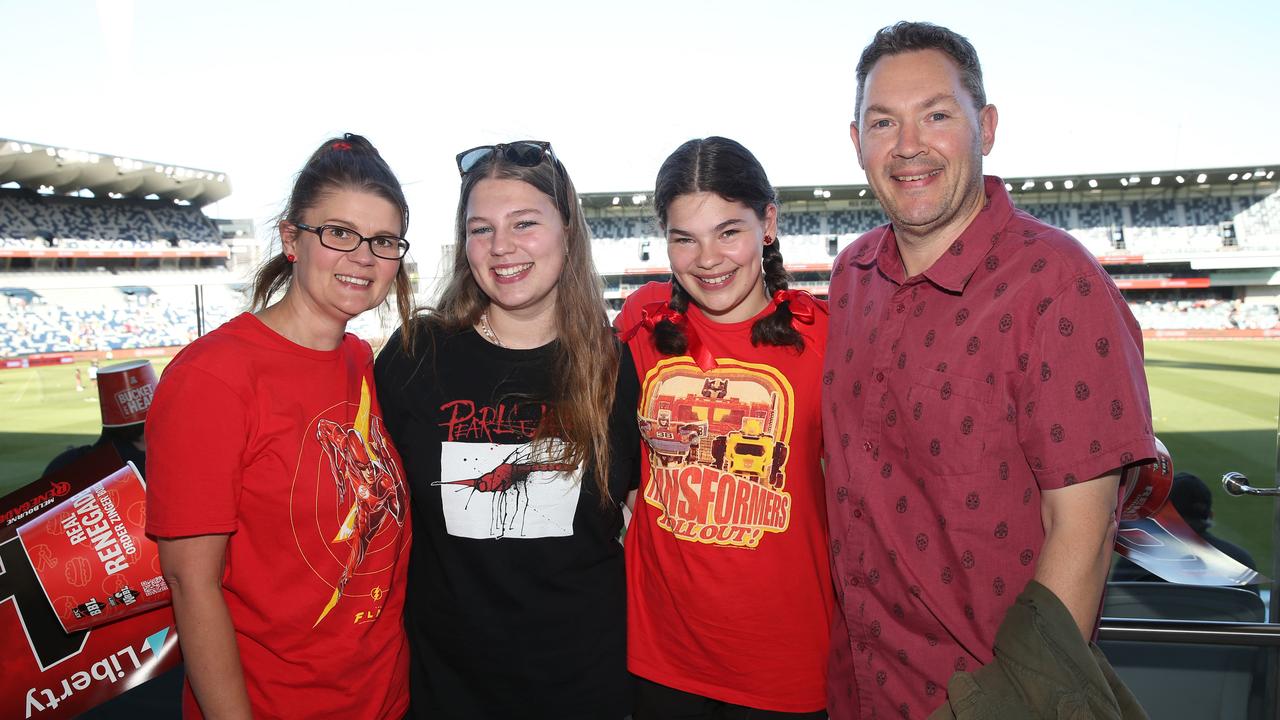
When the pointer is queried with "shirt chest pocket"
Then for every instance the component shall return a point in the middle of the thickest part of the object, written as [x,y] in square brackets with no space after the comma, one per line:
[947,419]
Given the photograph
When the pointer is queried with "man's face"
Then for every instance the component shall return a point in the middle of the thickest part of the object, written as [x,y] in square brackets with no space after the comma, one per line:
[921,141]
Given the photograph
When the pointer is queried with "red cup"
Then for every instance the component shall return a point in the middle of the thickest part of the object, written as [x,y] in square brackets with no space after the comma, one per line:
[125,391]
[92,556]
[1147,486]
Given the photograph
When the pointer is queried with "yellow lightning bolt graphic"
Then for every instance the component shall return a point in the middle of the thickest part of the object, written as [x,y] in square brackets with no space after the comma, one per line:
[347,529]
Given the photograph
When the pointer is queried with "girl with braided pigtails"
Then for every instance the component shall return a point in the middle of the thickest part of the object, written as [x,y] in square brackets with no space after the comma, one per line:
[729,589]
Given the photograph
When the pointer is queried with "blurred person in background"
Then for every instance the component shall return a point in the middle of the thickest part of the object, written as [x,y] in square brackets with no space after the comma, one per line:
[124,397]
[1194,502]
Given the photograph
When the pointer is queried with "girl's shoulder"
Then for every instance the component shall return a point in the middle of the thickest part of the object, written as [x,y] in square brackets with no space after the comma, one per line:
[650,292]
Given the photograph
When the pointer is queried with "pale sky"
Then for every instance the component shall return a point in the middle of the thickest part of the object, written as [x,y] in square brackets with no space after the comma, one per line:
[250,87]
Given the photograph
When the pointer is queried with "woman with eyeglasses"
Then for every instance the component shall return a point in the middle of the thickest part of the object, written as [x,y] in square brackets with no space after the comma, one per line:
[729,588]
[274,491]
[513,406]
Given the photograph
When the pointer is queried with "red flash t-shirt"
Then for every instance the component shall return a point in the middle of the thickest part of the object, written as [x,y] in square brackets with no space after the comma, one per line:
[951,401]
[729,591]
[282,447]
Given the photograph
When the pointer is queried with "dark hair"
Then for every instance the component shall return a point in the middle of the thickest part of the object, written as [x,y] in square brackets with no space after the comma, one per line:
[1193,501]
[724,167]
[347,163]
[906,37]
[585,363]
[125,433]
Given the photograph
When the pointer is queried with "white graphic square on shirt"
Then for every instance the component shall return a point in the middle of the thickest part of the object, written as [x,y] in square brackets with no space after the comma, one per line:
[507,491]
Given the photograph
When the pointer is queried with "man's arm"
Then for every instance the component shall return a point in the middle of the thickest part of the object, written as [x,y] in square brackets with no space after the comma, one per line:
[192,567]
[1080,530]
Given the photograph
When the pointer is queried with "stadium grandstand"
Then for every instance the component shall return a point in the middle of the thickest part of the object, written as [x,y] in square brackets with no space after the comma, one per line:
[1196,252]
[108,256]
[104,256]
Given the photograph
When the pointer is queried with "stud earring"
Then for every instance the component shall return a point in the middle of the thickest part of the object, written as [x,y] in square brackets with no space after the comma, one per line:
[768,239]
[291,257]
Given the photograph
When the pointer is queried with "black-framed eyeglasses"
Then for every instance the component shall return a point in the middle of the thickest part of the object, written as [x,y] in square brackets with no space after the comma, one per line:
[343,239]
[525,153]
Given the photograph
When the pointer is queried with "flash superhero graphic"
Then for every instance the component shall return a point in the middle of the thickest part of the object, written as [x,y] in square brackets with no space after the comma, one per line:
[363,470]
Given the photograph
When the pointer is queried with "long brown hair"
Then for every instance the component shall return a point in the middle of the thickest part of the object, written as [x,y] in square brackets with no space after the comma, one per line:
[347,163]
[585,362]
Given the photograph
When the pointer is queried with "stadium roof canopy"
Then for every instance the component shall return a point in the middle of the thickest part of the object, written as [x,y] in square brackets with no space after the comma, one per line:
[1155,181]
[63,171]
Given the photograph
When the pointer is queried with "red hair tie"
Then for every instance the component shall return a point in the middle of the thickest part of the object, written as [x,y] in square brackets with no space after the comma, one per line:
[341,145]
[656,312]
[803,305]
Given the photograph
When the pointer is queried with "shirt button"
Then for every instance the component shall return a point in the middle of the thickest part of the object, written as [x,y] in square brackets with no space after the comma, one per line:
[879,377]
[867,446]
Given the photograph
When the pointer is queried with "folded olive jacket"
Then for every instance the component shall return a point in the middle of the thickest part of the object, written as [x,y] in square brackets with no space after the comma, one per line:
[1042,669]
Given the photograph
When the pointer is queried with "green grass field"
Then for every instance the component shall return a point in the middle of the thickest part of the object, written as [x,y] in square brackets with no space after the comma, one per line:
[1215,406]
[43,415]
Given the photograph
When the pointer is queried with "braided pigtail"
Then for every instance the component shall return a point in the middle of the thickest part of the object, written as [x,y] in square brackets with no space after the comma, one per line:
[669,337]
[776,327]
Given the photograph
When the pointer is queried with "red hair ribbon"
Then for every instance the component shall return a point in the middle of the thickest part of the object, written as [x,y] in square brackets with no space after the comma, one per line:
[654,313]
[341,145]
[803,305]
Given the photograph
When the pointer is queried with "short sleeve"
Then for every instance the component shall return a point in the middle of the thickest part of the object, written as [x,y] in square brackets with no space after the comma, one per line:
[630,313]
[1084,407]
[197,431]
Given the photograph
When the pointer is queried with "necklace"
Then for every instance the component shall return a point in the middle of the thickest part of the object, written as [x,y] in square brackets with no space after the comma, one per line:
[487,331]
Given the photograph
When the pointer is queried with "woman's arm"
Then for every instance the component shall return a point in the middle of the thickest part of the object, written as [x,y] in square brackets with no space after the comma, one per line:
[193,566]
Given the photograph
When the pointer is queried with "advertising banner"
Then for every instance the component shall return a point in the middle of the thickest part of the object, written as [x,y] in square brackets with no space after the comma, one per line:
[47,671]
[92,556]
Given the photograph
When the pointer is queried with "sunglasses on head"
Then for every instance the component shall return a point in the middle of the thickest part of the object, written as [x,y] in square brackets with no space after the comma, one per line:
[525,153]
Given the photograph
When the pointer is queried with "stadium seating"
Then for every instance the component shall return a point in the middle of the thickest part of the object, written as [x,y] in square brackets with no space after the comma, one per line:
[627,248]
[1154,226]
[119,318]
[622,227]
[1205,315]
[854,222]
[103,224]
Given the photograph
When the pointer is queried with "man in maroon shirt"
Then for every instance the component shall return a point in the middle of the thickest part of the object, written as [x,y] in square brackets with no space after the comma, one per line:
[983,389]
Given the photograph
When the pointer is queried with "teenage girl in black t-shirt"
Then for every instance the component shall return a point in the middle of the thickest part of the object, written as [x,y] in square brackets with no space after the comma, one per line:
[513,408]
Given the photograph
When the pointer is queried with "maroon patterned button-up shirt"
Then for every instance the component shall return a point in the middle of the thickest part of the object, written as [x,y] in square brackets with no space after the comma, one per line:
[952,399]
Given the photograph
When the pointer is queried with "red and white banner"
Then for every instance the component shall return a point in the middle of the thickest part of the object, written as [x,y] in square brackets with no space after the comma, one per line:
[47,671]
[92,556]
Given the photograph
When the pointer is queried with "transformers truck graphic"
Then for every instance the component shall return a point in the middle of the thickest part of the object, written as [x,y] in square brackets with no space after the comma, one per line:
[718,450]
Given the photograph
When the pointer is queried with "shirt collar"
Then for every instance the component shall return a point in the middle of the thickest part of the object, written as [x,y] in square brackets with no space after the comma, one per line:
[953,269]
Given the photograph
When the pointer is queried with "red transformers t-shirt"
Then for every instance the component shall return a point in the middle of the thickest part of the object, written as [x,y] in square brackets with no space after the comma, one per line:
[283,448]
[728,580]
[952,400]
